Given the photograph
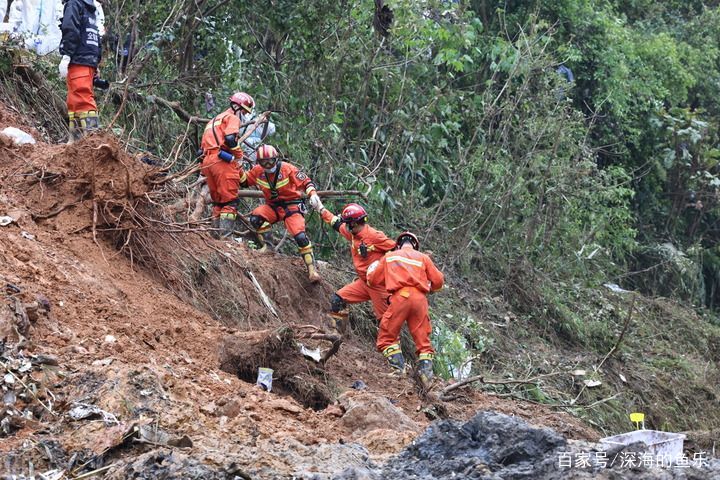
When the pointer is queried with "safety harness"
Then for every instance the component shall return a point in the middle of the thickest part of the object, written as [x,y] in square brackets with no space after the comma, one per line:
[275,204]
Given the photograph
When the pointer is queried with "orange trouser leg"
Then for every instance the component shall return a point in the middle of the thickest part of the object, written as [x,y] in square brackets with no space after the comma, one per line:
[223,181]
[358,291]
[80,96]
[412,309]
[268,214]
[294,223]
[419,323]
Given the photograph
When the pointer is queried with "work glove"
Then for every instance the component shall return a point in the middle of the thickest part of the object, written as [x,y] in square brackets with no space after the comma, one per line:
[316,203]
[63,67]
[371,268]
[100,83]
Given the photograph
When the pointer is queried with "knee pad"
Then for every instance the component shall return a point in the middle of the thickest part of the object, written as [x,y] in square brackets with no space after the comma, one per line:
[256,221]
[337,303]
[302,240]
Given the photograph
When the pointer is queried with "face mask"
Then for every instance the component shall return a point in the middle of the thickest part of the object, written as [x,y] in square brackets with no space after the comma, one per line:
[271,170]
[246,117]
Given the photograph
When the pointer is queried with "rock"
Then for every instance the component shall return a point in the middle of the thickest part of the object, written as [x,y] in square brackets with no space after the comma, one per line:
[79,349]
[230,409]
[210,409]
[286,405]
[489,442]
[365,412]
[334,411]
[384,441]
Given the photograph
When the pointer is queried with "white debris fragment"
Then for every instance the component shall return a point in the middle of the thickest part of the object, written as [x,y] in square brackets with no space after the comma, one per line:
[18,136]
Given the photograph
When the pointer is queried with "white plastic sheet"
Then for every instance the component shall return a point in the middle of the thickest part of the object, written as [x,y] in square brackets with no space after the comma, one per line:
[18,136]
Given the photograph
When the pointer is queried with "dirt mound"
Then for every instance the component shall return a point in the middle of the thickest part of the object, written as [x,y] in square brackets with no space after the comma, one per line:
[244,353]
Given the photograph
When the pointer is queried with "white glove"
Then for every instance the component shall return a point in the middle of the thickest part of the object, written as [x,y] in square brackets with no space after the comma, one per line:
[316,203]
[63,67]
[371,268]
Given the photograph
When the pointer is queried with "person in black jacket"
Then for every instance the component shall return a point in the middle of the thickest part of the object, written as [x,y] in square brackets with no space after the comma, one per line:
[80,48]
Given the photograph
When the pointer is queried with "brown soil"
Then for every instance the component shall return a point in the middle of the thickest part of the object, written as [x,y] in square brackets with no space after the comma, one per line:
[138,331]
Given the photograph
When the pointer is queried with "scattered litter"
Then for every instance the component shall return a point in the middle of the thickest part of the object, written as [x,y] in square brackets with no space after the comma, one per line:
[18,136]
[21,391]
[146,393]
[622,377]
[27,235]
[615,288]
[147,431]
[5,221]
[25,366]
[110,339]
[265,378]
[103,363]
[358,385]
[9,398]
[312,354]
[53,475]
[578,373]
[592,383]
[84,411]
[43,360]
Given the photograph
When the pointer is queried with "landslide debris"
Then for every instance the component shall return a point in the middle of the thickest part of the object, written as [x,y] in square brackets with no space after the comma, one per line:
[494,446]
[135,305]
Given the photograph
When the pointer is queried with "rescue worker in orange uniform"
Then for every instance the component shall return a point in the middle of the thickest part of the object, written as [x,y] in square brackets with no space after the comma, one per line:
[283,185]
[408,275]
[367,245]
[221,163]
[80,50]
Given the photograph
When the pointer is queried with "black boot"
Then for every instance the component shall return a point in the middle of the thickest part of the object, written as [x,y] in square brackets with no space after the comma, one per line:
[425,372]
[92,122]
[74,128]
[395,359]
[226,224]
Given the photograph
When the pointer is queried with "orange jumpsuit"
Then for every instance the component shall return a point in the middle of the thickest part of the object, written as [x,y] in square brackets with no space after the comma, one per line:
[223,178]
[377,244]
[283,192]
[409,276]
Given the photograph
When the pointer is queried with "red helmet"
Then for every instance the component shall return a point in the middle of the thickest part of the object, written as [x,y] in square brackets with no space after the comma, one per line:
[353,213]
[266,152]
[408,237]
[242,100]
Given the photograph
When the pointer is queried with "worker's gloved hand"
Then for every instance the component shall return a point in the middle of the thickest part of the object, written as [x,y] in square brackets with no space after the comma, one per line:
[316,203]
[372,267]
[63,66]
[100,83]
